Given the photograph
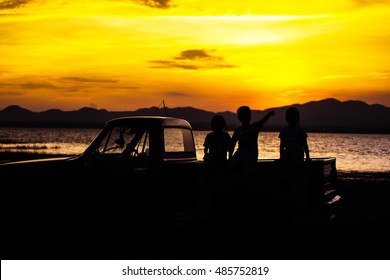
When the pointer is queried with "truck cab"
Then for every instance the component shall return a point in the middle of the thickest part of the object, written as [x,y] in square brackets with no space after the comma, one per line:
[154,138]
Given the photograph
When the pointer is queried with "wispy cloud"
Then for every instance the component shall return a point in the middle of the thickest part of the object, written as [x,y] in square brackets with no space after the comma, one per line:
[178,94]
[11,93]
[123,87]
[88,80]
[377,75]
[193,60]
[65,84]
[171,64]
[33,86]
[83,82]
[197,55]
[161,4]
[11,4]
[370,2]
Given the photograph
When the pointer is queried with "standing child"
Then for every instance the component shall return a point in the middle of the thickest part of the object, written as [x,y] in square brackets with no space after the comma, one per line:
[217,142]
[293,148]
[216,153]
[243,203]
[293,140]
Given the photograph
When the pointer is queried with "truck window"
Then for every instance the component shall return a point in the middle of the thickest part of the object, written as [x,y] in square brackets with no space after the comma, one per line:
[133,141]
[178,142]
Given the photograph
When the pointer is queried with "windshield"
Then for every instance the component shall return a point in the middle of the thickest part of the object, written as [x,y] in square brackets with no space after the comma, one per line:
[127,141]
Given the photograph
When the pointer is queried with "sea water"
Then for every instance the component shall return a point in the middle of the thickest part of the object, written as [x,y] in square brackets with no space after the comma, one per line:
[353,152]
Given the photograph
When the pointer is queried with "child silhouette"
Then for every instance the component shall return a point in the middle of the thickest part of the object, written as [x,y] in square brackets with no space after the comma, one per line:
[242,201]
[217,143]
[293,147]
[293,140]
[216,153]
[247,137]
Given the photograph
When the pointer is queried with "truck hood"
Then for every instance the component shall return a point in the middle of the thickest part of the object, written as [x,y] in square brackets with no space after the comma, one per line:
[34,162]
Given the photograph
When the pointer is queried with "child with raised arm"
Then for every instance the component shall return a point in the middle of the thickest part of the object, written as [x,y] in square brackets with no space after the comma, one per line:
[241,199]
[246,136]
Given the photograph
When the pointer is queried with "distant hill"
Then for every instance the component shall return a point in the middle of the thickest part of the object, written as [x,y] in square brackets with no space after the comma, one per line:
[328,115]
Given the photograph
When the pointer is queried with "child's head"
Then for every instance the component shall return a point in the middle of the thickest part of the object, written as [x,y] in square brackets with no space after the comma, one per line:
[218,123]
[292,116]
[244,114]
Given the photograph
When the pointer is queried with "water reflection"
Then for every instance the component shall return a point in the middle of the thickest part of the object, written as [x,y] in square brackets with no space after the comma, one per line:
[358,152]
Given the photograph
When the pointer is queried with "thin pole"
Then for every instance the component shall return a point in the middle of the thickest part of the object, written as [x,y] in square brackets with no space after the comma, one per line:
[165,109]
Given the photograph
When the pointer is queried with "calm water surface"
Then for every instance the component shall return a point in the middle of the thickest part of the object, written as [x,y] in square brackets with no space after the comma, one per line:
[353,152]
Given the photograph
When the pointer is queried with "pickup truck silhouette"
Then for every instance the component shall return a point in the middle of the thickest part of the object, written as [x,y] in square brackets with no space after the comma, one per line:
[142,173]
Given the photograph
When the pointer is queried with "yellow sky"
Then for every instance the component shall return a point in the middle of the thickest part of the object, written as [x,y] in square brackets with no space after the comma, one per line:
[214,55]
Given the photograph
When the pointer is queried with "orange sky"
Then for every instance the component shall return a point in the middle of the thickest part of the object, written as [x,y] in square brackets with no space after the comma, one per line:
[214,55]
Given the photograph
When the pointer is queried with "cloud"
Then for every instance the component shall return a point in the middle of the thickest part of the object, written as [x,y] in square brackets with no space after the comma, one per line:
[178,94]
[11,93]
[11,4]
[32,86]
[193,60]
[370,2]
[161,4]
[88,87]
[124,87]
[86,83]
[87,80]
[171,64]
[197,54]
[378,75]
[63,84]
[2,85]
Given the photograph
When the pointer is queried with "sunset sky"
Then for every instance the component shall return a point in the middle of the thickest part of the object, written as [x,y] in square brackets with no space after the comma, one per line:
[214,55]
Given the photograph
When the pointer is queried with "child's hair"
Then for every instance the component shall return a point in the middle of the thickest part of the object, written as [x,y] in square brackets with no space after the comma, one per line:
[218,119]
[243,110]
[292,116]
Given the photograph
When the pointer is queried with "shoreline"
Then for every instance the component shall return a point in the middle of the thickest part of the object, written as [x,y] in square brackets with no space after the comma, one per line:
[345,174]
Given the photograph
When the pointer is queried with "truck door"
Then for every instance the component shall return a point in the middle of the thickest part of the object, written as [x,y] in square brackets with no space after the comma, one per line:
[180,171]
[118,180]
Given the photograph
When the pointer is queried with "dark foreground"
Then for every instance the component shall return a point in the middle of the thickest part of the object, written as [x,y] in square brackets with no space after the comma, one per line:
[359,230]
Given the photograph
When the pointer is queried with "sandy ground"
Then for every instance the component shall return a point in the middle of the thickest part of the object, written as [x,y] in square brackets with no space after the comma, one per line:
[359,230]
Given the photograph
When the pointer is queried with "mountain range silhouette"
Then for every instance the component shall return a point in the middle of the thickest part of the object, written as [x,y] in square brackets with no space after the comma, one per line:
[328,115]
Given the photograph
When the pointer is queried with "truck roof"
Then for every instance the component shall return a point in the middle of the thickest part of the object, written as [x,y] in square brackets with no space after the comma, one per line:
[150,120]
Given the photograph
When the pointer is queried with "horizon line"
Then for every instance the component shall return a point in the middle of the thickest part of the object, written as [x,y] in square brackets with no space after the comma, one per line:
[158,107]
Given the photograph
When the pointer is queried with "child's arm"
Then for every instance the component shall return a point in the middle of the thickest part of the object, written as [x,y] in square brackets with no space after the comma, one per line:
[265,118]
